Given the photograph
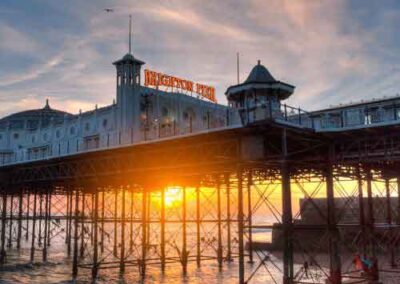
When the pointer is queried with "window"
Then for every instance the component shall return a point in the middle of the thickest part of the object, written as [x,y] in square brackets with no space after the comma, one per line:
[58,134]
[72,130]
[189,114]
[105,123]
[33,138]
[164,112]
[45,136]
[16,135]
[87,126]
[92,142]
[32,124]
[38,152]
[1,136]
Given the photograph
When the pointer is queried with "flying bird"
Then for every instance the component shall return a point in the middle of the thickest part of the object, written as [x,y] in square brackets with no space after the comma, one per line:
[108,10]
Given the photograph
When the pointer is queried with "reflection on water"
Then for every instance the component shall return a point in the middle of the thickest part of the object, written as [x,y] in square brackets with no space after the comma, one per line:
[58,269]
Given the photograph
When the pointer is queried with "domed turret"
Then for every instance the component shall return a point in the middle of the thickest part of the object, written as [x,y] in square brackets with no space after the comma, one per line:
[260,96]
[259,83]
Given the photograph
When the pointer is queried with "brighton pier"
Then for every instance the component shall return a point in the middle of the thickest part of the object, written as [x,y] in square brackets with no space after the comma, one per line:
[104,181]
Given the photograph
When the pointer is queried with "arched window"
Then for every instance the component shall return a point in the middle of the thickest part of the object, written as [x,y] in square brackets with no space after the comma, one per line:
[189,114]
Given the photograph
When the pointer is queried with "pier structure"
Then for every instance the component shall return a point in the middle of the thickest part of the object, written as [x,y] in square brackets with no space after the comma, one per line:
[111,206]
[160,180]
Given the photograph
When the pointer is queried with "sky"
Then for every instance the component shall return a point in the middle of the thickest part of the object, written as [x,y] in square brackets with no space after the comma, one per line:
[334,52]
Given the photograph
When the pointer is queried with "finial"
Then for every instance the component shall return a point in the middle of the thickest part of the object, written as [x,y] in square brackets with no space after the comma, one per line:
[237,67]
[130,34]
[259,62]
[47,104]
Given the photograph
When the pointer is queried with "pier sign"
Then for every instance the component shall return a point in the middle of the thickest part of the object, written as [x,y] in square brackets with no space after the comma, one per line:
[156,79]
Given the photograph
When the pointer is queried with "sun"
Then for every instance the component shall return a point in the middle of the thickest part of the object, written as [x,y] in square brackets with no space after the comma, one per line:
[173,196]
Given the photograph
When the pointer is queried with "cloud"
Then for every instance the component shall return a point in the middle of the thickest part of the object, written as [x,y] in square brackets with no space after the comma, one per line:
[191,19]
[33,73]
[13,41]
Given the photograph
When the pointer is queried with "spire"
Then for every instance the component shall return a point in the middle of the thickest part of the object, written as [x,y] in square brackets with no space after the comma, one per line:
[47,106]
[129,56]
[130,34]
[237,67]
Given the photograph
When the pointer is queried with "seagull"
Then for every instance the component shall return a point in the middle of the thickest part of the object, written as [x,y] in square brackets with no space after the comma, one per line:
[108,10]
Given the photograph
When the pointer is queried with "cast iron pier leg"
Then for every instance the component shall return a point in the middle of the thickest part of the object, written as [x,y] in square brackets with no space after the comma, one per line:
[287,217]
[131,224]
[33,227]
[287,226]
[371,226]
[228,218]
[198,223]
[335,272]
[102,222]
[122,256]
[19,234]
[184,253]
[240,225]
[67,219]
[219,250]
[144,234]
[162,223]
[46,221]
[115,223]
[389,222]
[28,200]
[69,223]
[10,223]
[49,227]
[82,247]
[361,213]
[250,217]
[3,229]
[76,237]
[95,266]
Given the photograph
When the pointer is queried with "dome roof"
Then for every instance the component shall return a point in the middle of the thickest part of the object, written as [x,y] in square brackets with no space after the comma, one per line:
[260,74]
[43,113]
